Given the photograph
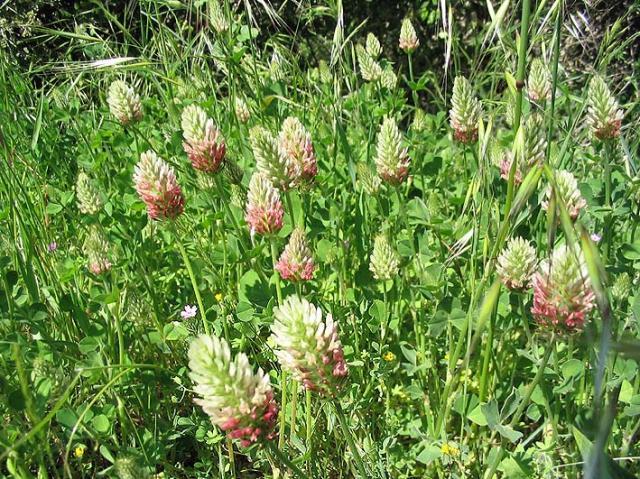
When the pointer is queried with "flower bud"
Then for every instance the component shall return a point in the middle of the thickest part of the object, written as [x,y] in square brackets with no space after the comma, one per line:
[621,288]
[294,143]
[562,292]
[465,112]
[309,347]
[539,82]
[264,209]
[204,144]
[535,140]
[157,186]
[370,69]
[392,160]
[271,161]
[124,103]
[96,250]
[238,401]
[296,262]
[373,46]
[506,161]
[217,17]
[88,197]
[384,261]
[419,123]
[567,193]
[367,180]
[408,37]
[517,263]
[242,110]
[603,114]
[389,80]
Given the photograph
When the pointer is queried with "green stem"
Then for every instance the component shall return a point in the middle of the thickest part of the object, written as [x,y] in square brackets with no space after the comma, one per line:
[524,403]
[274,261]
[309,422]
[294,409]
[284,460]
[348,435]
[608,222]
[287,196]
[194,284]
[522,61]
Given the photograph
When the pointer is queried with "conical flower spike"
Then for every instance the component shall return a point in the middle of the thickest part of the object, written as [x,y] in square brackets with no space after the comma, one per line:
[264,209]
[87,195]
[373,46]
[567,193]
[517,263]
[370,69]
[392,160]
[535,140]
[389,80]
[124,103]
[603,114]
[238,401]
[562,292]
[465,112]
[294,143]
[157,186]
[309,347]
[539,82]
[96,250]
[203,142]
[408,38]
[217,17]
[271,162]
[242,110]
[296,262]
[384,261]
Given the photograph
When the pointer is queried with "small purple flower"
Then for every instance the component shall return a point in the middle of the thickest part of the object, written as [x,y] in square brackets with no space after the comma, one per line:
[595,237]
[189,312]
[52,246]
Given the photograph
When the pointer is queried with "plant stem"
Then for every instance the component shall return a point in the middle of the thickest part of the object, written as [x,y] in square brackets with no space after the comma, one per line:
[352,445]
[608,221]
[309,422]
[524,403]
[522,60]
[274,261]
[194,283]
[285,460]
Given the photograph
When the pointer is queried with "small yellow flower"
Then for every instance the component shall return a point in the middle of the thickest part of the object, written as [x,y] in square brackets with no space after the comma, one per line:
[389,356]
[79,451]
[218,297]
[449,450]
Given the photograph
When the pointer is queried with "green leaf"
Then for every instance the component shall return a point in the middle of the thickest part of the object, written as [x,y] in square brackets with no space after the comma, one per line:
[429,454]
[572,368]
[101,423]
[53,209]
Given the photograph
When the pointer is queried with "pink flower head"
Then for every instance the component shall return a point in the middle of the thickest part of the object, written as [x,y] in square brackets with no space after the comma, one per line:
[52,247]
[505,168]
[296,262]
[157,186]
[189,312]
[203,143]
[294,142]
[562,292]
[309,346]
[237,399]
[264,212]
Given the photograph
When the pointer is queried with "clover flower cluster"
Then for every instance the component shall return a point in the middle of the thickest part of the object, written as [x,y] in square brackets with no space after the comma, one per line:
[203,142]
[309,346]
[238,400]
[157,186]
